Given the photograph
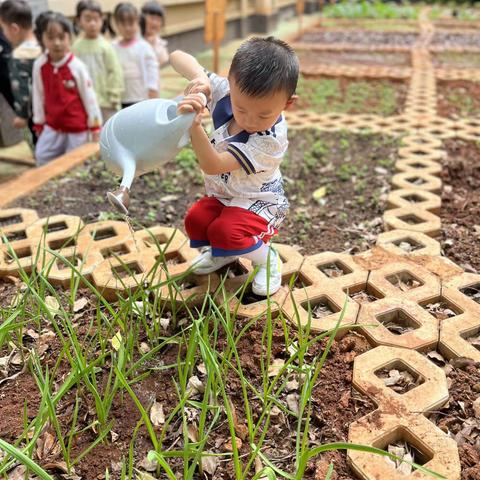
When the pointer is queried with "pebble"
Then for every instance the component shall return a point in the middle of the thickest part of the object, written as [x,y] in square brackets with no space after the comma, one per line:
[476,387]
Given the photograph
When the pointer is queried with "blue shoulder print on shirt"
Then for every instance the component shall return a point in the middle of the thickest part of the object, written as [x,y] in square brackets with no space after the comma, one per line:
[222,113]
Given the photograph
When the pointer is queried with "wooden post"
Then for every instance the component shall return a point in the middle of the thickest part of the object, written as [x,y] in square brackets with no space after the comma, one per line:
[300,11]
[216,43]
[215,28]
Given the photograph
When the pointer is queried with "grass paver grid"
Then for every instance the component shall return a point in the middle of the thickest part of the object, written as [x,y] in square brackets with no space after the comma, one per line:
[408,249]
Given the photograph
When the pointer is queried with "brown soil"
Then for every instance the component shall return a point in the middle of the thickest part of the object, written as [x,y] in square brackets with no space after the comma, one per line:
[347,218]
[446,39]
[359,37]
[456,60]
[460,211]
[325,94]
[335,405]
[368,24]
[355,170]
[459,420]
[458,99]
[124,414]
[353,57]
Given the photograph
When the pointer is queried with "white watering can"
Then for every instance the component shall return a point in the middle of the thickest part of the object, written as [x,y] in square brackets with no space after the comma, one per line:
[140,138]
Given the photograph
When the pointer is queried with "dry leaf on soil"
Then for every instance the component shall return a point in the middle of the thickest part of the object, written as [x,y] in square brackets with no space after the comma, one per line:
[192,432]
[275,367]
[210,464]
[116,341]
[52,305]
[156,414]
[47,446]
[147,465]
[17,473]
[292,402]
[228,445]
[80,304]
[194,386]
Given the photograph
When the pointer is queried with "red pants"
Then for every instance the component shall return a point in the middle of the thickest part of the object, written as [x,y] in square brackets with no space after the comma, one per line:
[228,230]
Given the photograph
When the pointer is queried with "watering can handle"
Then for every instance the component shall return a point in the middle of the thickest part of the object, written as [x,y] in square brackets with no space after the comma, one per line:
[201,94]
[186,137]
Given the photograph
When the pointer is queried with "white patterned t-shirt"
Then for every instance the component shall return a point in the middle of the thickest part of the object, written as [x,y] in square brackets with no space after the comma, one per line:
[258,185]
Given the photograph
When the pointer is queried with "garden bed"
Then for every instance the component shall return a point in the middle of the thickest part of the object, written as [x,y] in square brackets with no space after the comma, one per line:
[369,24]
[353,169]
[334,405]
[353,57]
[460,213]
[459,418]
[456,60]
[449,39]
[350,95]
[458,99]
[358,38]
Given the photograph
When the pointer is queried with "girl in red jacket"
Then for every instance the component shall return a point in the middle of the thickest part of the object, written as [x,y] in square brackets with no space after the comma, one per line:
[65,108]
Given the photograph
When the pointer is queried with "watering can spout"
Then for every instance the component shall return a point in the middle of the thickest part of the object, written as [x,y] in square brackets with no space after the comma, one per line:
[140,138]
[120,199]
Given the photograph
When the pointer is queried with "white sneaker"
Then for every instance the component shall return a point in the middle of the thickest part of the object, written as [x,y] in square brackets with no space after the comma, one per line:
[260,286]
[205,263]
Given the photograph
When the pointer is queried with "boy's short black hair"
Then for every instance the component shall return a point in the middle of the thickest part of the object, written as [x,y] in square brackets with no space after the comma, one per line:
[16,11]
[90,5]
[262,66]
[124,12]
[151,7]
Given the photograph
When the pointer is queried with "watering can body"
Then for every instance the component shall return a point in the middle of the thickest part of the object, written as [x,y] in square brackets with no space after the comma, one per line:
[139,139]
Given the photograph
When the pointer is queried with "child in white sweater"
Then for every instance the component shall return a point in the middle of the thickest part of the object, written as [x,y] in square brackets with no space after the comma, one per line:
[151,23]
[137,58]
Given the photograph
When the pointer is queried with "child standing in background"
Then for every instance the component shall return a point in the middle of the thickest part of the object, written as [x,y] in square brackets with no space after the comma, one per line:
[151,23]
[99,57]
[137,58]
[16,22]
[65,107]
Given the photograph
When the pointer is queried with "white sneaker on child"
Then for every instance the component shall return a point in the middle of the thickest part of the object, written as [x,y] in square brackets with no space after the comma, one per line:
[263,286]
[205,263]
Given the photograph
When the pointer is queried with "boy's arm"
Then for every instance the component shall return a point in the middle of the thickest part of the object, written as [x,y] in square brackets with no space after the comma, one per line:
[211,161]
[188,66]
